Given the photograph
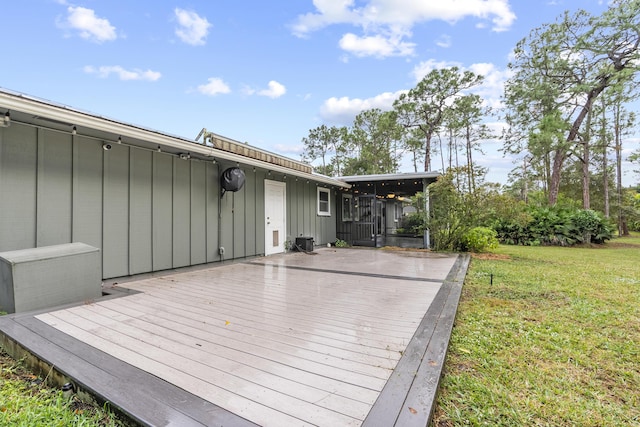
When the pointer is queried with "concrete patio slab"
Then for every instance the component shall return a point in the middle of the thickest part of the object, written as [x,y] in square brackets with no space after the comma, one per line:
[346,337]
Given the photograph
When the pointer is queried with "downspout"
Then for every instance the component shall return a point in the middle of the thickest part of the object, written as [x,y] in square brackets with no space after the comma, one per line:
[427,237]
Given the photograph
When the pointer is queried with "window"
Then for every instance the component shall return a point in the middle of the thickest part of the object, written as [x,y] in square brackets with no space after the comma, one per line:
[324,204]
[347,210]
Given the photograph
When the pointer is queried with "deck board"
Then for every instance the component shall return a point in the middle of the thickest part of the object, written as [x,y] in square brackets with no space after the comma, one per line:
[278,346]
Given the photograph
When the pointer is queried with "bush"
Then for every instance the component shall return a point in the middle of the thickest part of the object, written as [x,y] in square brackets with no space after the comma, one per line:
[414,224]
[592,226]
[481,239]
[557,226]
[341,244]
[450,216]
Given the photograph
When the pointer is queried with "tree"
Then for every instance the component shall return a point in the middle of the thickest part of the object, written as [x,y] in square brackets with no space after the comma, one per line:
[321,142]
[604,146]
[423,107]
[468,114]
[373,140]
[622,122]
[635,159]
[566,65]
[412,143]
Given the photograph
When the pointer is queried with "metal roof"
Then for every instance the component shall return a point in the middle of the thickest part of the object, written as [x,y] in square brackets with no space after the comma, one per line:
[397,184]
[37,112]
[432,175]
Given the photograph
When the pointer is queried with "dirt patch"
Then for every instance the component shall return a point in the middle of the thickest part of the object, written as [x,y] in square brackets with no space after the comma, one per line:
[490,256]
[13,371]
[440,419]
[400,249]
[621,245]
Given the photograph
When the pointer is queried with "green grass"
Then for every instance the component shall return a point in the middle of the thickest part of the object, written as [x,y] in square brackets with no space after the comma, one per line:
[555,341]
[25,400]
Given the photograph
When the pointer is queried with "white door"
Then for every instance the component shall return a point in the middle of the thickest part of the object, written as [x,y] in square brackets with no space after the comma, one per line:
[274,213]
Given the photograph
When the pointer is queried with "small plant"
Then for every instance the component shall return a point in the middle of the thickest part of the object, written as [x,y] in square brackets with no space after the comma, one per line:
[481,239]
[341,244]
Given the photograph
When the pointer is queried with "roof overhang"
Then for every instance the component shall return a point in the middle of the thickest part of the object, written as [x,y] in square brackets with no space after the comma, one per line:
[40,113]
[391,185]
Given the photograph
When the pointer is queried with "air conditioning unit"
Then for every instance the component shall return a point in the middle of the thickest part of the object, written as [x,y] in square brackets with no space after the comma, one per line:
[304,244]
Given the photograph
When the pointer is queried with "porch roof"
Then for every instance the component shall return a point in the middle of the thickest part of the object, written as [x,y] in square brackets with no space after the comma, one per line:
[398,184]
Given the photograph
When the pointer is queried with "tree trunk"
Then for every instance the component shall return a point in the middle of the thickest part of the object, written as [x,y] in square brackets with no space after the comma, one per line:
[561,152]
[556,172]
[605,162]
[619,177]
[525,180]
[470,179]
[586,202]
[547,173]
[441,152]
[605,183]
[427,153]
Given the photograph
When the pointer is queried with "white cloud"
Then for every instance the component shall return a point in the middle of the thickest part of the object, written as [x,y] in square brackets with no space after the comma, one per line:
[123,74]
[89,26]
[329,12]
[393,19]
[492,88]
[344,110]
[275,90]
[378,46]
[192,29]
[248,90]
[444,41]
[497,128]
[289,149]
[215,86]
[425,67]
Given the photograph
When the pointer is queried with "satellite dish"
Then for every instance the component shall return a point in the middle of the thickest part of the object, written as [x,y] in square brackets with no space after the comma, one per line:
[232,179]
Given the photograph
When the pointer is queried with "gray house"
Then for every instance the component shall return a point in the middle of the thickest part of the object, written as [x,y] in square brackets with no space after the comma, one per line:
[148,200]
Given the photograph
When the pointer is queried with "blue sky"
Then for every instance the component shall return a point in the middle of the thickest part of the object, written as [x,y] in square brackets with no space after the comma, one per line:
[257,71]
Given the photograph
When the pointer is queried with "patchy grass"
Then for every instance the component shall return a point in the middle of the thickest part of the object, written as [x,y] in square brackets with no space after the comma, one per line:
[25,400]
[555,341]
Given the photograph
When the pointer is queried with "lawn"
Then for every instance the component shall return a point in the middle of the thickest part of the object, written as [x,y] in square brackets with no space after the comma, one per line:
[546,336]
[26,400]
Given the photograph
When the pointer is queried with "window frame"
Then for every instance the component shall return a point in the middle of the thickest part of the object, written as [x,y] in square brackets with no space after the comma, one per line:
[321,212]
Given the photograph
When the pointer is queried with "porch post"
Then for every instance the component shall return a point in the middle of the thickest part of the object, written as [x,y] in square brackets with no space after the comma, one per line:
[425,191]
[374,208]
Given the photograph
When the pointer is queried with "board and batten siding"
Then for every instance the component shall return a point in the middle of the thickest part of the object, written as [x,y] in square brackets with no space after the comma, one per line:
[302,213]
[146,210]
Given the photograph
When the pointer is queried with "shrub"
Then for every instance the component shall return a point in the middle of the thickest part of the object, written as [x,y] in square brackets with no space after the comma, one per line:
[450,215]
[341,244]
[481,239]
[558,226]
[592,226]
[414,223]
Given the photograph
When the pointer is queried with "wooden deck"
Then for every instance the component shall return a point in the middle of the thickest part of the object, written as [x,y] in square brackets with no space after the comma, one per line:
[285,340]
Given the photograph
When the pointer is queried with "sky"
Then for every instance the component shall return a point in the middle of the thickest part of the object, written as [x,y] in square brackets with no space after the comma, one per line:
[262,72]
